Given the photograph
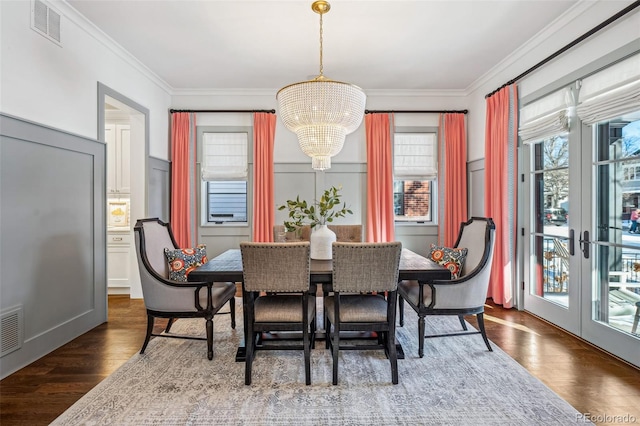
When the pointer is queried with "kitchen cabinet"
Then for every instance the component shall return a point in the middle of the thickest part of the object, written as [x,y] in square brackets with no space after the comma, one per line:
[119,261]
[118,139]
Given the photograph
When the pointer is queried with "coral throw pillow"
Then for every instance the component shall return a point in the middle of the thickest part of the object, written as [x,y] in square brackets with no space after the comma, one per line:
[450,258]
[183,261]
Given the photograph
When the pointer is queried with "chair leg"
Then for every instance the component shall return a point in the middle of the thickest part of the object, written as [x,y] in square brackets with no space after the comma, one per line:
[401,310]
[232,310]
[313,334]
[480,317]
[307,354]
[421,336]
[169,324]
[327,329]
[150,321]
[248,360]
[462,322]
[210,338]
[335,350]
[393,355]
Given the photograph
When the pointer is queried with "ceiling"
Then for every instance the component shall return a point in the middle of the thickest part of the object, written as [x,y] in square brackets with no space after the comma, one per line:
[377,45]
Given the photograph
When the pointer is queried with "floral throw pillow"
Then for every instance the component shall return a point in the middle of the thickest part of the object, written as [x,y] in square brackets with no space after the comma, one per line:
[183,261]
[450,258]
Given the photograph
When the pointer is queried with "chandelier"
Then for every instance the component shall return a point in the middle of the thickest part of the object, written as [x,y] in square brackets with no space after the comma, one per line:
[321,112]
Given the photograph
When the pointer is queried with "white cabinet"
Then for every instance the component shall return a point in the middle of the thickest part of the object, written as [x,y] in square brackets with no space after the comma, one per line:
[118,137]
[119,262]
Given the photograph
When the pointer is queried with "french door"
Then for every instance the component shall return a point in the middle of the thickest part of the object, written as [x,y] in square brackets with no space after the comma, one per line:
[552,225]
[581,252]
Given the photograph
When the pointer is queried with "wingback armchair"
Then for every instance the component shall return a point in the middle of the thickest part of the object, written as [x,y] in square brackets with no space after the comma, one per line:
[165,298]
[465,295]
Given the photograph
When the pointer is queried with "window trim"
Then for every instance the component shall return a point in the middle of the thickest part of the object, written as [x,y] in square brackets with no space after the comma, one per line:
[203,213]
[435,187]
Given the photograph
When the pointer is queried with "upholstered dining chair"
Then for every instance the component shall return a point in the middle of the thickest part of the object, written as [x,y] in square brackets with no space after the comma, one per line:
[464,295]
[276,279]
[167,298]
[362,274]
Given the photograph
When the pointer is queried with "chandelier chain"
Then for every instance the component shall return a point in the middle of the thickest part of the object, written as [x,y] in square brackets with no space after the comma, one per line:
[321,67]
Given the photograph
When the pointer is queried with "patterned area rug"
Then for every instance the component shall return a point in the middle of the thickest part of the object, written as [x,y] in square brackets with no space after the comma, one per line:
[458,382]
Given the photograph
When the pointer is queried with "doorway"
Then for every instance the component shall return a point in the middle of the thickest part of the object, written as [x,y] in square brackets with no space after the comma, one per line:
[124,126]
[582,254]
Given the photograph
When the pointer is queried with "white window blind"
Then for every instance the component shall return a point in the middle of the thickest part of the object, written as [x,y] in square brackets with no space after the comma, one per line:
[611,92]
[547,116]
[224,156]
[415,156]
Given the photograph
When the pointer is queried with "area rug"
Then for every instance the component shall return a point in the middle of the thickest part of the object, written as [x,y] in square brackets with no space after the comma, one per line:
[458,382]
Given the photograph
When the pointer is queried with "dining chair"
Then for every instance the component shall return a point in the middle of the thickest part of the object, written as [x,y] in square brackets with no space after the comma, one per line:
[465,295]
[276,297]
[167,298]
[362,274]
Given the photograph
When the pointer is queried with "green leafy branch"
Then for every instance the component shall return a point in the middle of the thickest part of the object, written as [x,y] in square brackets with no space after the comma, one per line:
[319,213]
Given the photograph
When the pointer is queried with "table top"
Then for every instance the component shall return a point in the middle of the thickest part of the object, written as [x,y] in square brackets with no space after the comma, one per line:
[228,267]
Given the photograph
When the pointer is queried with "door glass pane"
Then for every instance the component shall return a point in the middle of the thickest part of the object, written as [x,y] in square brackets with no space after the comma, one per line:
[551,200]
[616,287]
[551,276]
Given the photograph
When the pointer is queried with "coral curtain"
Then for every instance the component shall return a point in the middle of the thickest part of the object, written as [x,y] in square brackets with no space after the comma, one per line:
[264,130]
[452,176]
[183,178]
[380,217]
[501,139]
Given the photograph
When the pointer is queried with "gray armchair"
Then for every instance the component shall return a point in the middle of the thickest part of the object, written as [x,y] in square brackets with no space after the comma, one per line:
[165,298]
[362,273]
[276,297]
[465,295]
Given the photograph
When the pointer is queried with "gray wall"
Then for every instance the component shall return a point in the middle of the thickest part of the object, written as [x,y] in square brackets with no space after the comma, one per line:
[299,179]
[52,239]
[475,179]
[159,188]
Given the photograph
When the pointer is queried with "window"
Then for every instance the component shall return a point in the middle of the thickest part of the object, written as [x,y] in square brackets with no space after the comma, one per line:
[227,201]
[631,172]
[225,172]
[414,171]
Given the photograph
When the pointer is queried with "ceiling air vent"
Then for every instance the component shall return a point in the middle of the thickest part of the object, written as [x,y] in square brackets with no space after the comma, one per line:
[11,326]
[45,21]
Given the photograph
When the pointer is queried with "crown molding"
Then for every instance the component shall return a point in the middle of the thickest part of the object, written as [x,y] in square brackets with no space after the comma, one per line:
[273,92]
[92,30]
[543,35]
[225,92]
[415,93]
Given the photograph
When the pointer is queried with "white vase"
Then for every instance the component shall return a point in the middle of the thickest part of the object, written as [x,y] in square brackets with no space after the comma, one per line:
[321,239]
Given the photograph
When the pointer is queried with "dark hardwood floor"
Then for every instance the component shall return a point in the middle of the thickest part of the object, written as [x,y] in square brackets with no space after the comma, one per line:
[589,379]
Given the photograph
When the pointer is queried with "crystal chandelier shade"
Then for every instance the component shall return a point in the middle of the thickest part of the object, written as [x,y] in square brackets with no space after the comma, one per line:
[321,112]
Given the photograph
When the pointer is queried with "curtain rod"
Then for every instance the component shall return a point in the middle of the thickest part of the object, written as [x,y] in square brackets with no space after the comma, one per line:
[270,111]
[371,111]
[570,45]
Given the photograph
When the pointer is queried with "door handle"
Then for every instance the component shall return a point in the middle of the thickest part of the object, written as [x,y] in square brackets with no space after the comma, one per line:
[584,245]
[572,242]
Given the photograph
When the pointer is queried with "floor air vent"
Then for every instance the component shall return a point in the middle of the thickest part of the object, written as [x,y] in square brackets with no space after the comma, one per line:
[11,326]
[45,20]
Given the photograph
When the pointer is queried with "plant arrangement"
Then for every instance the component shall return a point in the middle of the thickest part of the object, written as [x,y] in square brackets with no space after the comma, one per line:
[319,213]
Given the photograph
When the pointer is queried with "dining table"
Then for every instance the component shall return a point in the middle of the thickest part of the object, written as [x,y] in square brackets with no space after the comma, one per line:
[227,267]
